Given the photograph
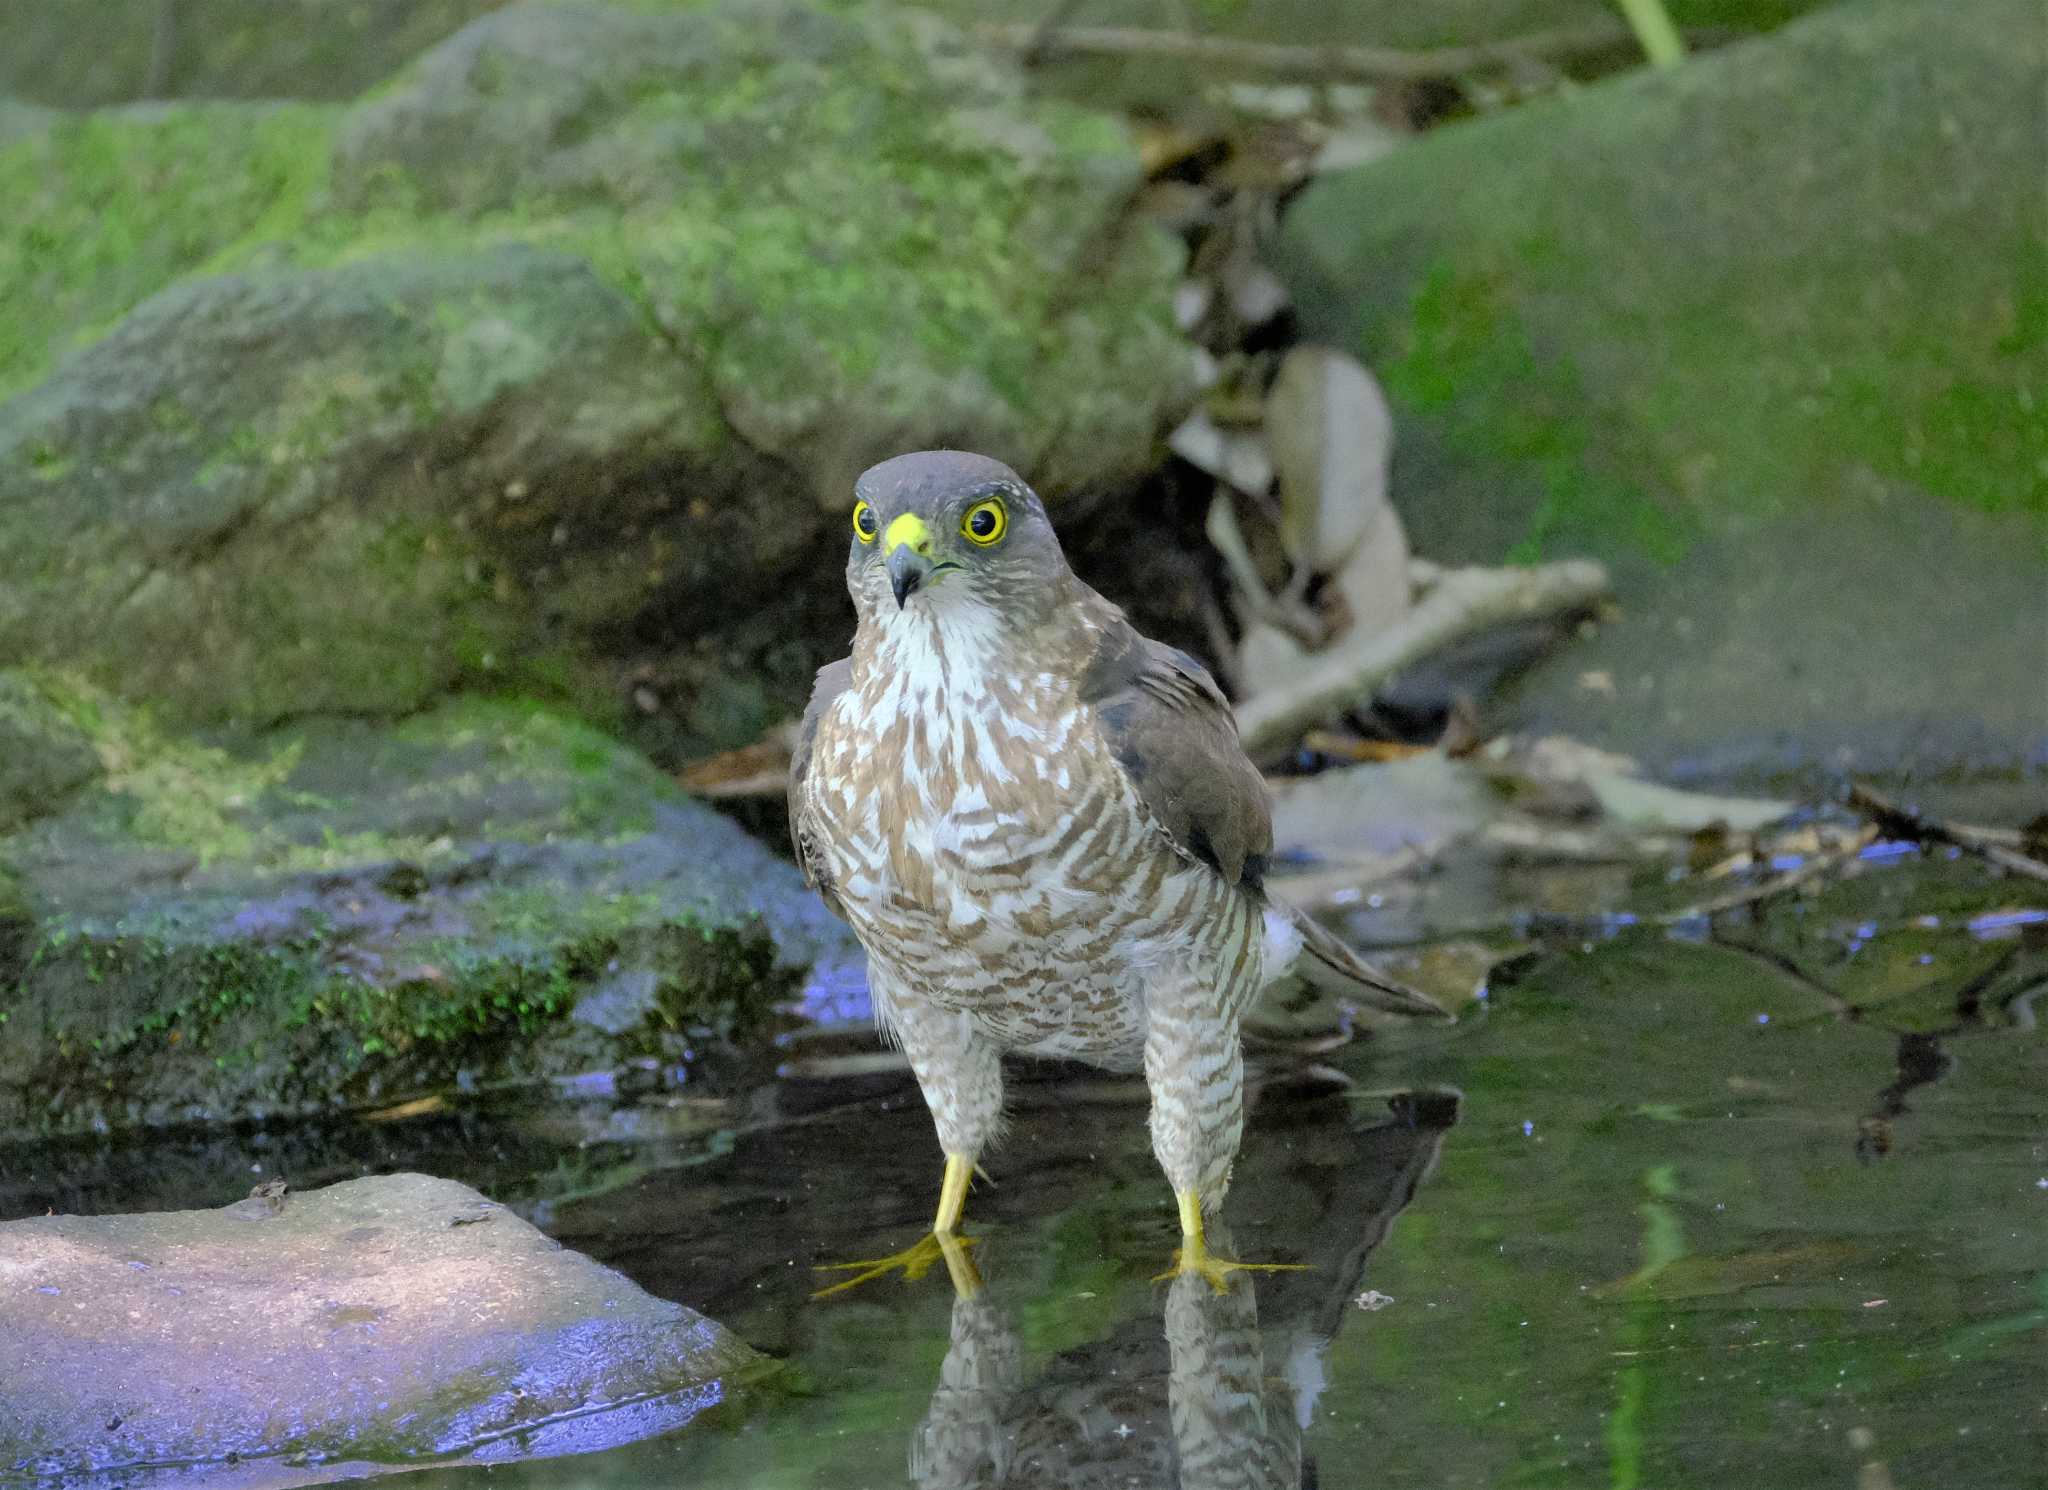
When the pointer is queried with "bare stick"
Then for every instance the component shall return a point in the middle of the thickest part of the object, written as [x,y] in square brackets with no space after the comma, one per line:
[1999,846]
[1772,958]
[1043,33]
[1462,602]
[1769,889]
[1330,64]
[163,40]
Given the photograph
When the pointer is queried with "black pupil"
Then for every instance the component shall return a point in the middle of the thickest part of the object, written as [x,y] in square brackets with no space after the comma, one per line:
[866,521]
[983,523]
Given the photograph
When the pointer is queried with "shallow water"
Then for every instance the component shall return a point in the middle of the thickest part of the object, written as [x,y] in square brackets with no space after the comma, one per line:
[1658,1211]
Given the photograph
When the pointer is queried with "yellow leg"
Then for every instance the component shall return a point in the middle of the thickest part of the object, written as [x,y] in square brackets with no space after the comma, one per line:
[1194,1256]
[942,1243]
[953,1193]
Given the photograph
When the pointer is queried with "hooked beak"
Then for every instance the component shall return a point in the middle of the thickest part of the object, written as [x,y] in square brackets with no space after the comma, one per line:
[908,571]
[908,544]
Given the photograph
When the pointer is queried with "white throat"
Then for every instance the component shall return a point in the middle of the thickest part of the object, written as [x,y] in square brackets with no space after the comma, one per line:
[937,648]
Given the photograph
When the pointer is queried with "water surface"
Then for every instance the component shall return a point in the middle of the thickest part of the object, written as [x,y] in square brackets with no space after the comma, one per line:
[1763,1207]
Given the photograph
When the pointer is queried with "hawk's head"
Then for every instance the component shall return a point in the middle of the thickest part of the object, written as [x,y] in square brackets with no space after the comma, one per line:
[942,523]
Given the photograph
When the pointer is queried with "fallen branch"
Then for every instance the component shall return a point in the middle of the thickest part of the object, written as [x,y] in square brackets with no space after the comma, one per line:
[1037,43]
[1771,957]
[1462,602]
[1999,846]
[1771,888]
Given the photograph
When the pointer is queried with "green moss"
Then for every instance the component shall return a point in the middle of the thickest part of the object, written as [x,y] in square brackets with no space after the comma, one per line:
[1465,359]
[1644,317]
[880,243]
[173,792]
[222,802]
[105,210]
[92,53]
[609,789]
[157,1014]
[798,240]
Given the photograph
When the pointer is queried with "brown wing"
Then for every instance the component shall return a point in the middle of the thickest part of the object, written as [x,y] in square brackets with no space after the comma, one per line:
[1176,739]
[834,678]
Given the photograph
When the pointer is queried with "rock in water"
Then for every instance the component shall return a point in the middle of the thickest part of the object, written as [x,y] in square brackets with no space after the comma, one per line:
[366,1326]
[1787,380]
[347,912]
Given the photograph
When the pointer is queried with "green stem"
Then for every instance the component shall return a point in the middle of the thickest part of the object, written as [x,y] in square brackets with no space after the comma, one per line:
[1653,28]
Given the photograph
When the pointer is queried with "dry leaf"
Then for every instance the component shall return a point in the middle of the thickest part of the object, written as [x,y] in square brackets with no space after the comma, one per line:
[757,770]
[1236,456]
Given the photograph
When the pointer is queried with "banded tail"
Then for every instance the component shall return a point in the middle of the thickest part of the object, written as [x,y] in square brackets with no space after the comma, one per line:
[1318,957]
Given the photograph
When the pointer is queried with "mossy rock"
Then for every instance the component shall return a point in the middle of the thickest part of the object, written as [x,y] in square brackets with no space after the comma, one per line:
[1787,380]
[1178,87]
[306,919]
[44,755]
[20,120]
[293,491]
[91,53]
[567,343]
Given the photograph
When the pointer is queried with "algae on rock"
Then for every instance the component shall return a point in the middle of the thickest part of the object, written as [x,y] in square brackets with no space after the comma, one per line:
[343,912]
[569,340]
[44,754]
[1780,313]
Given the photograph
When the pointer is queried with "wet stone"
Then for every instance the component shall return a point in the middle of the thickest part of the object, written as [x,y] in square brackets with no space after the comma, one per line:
[365,1326]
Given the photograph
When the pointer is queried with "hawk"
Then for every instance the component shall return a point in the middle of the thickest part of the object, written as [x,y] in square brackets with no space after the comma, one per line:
[1041,826]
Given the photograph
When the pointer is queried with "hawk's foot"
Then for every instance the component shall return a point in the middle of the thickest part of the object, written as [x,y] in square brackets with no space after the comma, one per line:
[1216,1270]
[913,1262]
[1193,1254]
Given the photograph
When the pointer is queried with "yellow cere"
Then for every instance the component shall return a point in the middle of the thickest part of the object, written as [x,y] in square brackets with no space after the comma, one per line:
[985,522]
[908,529]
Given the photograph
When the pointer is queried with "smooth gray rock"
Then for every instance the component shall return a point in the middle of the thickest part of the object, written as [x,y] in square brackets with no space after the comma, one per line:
[1787,381]
[370,1325]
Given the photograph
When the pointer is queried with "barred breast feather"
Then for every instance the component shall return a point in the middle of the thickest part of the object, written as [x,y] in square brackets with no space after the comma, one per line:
[1007,845]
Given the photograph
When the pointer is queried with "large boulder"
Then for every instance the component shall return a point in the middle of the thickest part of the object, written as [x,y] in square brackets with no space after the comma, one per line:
[564,346]
[91,53]
[1582,37]
[44,754]
[344,913]
[106,209]
[317,490]
[293,1339]
[82,54]
[1765,332]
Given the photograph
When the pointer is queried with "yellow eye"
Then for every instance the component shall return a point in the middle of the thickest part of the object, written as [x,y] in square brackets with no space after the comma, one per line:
[864,524]
[985,522]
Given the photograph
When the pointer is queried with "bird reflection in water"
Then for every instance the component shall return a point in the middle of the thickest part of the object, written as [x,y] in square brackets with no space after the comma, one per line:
[1243,1369]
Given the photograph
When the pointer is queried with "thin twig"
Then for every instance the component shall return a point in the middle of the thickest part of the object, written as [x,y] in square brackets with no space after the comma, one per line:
[1464,601]
[163,41]
[1777,961]
[1329,63]
[1999,846]
[1770,889]
[1035,50]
